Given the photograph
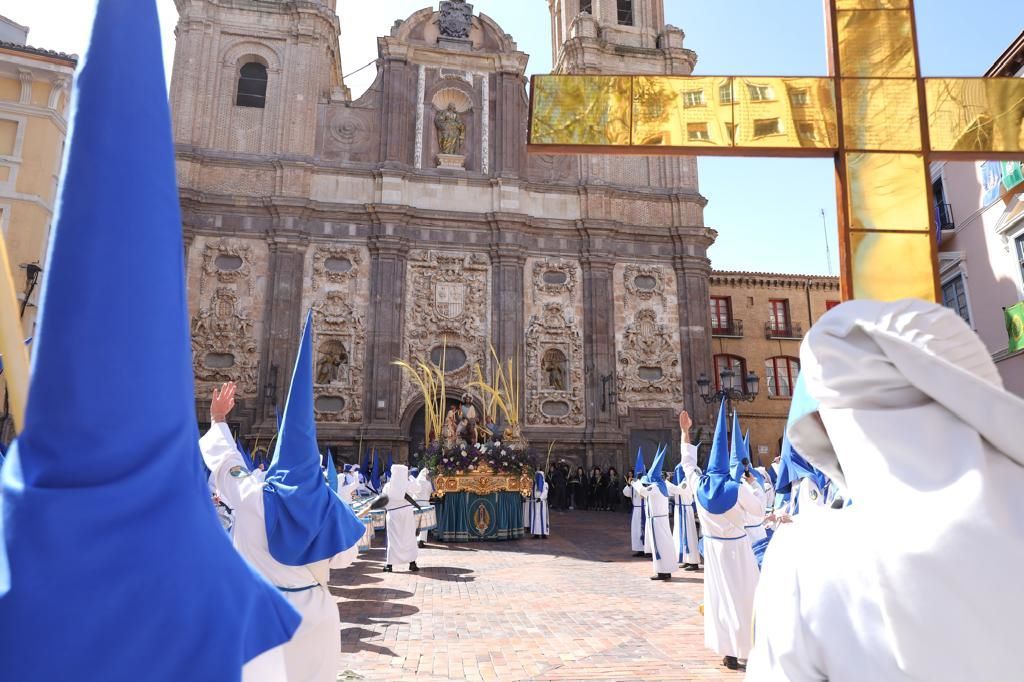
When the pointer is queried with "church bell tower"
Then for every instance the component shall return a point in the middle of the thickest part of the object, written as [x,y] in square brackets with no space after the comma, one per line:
[616,36]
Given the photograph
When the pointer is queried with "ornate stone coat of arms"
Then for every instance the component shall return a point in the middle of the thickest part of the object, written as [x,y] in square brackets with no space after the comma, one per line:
[455,18]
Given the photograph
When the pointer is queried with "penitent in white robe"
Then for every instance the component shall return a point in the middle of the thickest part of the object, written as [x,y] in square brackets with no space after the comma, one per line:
[347,487]
[663,555]
[311,655]
[636,526]
[754,522]
[401,518]
[539,524]
[424,488]
[730,569]
[684,534]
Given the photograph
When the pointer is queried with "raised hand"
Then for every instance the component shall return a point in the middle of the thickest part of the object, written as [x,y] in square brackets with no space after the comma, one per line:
[223,402]
[685,423]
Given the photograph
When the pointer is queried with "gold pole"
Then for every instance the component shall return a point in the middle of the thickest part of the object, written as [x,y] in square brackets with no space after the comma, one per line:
[12,343]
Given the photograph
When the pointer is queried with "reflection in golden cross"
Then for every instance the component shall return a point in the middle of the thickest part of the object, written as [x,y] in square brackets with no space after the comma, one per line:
[881,122]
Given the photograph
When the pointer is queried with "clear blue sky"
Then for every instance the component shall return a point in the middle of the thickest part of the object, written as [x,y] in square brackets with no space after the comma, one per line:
[767,211]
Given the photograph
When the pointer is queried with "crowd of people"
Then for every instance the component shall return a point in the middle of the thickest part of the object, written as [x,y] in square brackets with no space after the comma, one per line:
[579,490]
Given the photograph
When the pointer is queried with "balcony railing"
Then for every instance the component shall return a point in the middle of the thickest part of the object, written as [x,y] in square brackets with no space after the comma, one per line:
[791,331]
[732,329]
[944,217]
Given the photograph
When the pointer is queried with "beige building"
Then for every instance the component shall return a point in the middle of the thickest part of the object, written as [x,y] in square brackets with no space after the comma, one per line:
[34,100]
[979,209]
[757,322]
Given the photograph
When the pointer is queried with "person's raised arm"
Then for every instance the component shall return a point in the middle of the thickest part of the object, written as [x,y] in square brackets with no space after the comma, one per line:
[219,450]
[687,451]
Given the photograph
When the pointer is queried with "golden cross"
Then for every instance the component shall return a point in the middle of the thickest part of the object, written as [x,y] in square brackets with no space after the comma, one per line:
[881,122]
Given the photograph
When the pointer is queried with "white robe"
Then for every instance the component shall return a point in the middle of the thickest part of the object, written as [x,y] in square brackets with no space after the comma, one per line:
[663,555]
[636,525]
[919,579]
[540,523]
[424,488]
[401,519]
[347,487]
[730,569]
[311,655]
[754,523]
[684,534]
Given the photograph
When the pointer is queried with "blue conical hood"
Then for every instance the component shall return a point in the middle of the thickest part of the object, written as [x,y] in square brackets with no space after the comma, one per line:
[108,558]
[305,522]
[717,492]
[375,474]
[793,467]
[678,475]
[390,462]
[332,471]
[654,476]
[639,469]
[246,457]
[737,449]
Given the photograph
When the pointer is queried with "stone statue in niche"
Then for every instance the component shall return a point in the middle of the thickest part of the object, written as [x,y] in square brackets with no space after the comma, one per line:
[333,357]
[451,131]
[554,367]
[455,19]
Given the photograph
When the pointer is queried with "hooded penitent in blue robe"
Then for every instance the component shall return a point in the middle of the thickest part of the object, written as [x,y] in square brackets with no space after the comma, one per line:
[119,571]
[305,521]
[717,491]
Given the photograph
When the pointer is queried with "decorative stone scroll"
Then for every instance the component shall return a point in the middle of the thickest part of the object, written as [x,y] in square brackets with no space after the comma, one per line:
[648,362]
[223,343]
[339,352]
[554,369]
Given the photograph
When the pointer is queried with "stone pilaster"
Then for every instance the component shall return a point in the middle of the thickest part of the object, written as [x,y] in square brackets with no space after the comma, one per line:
[692,283]
[599,349]
[282,324]
[382,397]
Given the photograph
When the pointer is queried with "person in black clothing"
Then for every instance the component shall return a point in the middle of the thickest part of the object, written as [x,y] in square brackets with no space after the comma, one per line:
[612,493]
[575,481]
[559,483]
[602,499]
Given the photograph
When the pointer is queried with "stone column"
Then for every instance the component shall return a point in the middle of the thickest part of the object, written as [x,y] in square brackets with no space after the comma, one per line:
[398,118]
[507,311]
[282,323]
[382,382]
[599,350]
[510,124]
[693,288]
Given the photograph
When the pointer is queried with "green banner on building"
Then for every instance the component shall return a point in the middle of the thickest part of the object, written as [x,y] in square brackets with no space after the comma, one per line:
[1015,326]
[1012,174]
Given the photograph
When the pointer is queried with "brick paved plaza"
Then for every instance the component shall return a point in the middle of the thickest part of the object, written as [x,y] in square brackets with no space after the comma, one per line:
[574,607]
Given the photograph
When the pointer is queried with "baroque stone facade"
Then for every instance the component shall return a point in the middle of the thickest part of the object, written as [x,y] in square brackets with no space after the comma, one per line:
[415,225]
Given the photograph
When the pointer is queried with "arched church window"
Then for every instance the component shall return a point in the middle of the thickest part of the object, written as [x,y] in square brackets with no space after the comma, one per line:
[252,85]
[625,12]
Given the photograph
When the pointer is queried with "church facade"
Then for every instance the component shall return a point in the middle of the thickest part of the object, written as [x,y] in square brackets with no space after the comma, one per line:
[415,225]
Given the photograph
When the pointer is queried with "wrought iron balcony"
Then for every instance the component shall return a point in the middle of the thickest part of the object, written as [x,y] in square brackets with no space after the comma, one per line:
[733,329]
[944,217]
[791,331]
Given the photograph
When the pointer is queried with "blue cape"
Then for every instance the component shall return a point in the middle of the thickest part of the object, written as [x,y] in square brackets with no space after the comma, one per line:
[678,477]
[717,492]
[793,467]
[114,564]
[538,481]
[375,475]
[305,522]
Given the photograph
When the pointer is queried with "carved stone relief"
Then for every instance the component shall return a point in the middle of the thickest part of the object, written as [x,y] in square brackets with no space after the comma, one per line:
[554,368]
[224,327]
[223,343]
[340,334]
[455,18]
[447,304]
[554,388]
[648,356]
[339,297]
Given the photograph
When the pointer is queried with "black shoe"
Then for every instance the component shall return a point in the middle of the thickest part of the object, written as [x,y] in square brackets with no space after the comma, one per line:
[421,544]
[662,576]
[387,569]
[536,537]
[543,537]
[638,553]
[413,567]
[647,554]
[731,663]
[690,567]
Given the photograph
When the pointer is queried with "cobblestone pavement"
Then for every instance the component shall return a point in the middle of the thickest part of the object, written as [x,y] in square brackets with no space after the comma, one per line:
[574,607]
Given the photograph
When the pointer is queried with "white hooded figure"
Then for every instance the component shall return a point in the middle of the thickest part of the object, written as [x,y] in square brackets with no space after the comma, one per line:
[684,531]
[900,405]
[401,520]
[539,523]
[657,492]
[638,519]
[423,490]
[349,483]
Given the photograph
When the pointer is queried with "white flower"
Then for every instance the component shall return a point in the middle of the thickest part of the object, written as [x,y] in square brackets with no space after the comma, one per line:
[497,443]
[503,452]
[471,466]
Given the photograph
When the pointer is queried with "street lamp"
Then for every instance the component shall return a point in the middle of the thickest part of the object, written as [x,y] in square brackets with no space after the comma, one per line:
[729,390]
[32,272]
